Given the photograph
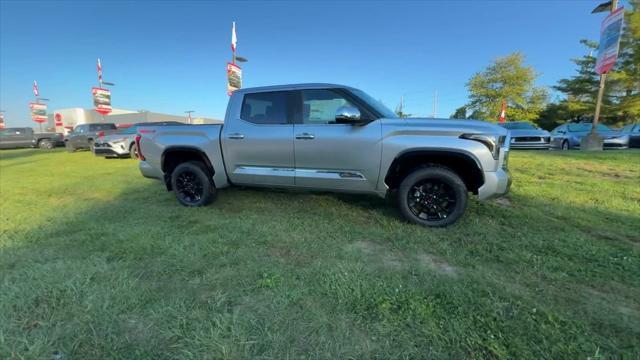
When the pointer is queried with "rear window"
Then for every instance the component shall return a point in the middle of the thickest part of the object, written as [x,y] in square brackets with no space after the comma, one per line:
[266,108]
[102,127]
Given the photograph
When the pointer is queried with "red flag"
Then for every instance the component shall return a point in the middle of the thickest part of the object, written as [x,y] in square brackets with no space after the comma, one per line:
[35,88]
[503,113]
[99,72]
[233,37]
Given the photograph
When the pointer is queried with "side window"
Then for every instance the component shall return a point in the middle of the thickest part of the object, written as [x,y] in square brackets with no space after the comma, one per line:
[266,108]
[636,130]
[81,129]
[319,106]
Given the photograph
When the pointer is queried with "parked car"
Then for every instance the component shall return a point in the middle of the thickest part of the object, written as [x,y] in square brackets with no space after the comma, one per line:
[122,143]
[525,135]
[568,136]
[633,131]
[84,136]
[335,138]
[13,138]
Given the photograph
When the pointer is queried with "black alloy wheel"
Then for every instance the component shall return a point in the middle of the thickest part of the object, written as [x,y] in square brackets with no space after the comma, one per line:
[432,196]
[192,184]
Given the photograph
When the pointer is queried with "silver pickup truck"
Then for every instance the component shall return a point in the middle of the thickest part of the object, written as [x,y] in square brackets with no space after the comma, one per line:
[335,138]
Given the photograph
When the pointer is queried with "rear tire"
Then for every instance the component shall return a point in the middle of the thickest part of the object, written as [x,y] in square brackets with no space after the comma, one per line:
[45,144]
[133,151]
[69,147]
[432,196]
[192,184]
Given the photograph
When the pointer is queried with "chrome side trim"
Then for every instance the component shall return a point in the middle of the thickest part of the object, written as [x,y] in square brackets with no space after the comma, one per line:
[264,171]
[330,174]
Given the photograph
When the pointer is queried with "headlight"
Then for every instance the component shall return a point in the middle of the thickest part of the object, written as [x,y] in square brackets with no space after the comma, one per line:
[492,142]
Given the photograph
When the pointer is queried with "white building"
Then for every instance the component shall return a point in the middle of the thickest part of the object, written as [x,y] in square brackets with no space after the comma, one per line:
[72,117]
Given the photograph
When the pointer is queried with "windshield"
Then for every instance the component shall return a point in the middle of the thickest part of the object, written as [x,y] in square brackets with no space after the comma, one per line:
[585,127]
[518,126]
[377,105]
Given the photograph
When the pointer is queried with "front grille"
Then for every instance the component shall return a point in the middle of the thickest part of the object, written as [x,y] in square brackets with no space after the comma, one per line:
[528,139]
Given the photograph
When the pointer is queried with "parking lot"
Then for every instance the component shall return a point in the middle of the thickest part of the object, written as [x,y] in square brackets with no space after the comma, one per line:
[98,260]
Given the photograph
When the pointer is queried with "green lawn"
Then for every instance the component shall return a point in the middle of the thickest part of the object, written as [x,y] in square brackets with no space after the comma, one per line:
[98,262]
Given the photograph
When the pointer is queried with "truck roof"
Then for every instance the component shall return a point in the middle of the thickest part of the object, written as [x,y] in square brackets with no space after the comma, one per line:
[292,87]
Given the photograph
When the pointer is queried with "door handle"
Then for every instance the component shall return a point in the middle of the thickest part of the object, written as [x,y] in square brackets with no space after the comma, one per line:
[305,136]
[236,136]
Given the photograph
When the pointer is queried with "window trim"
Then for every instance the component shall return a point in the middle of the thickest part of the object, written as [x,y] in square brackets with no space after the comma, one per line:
[366,112]
[289,111]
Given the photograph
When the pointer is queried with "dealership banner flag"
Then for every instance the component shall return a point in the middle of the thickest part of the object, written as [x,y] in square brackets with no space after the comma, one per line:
[1,120]
[35,89]
[234,39]
[610,31]
[503,112]
[99,67]
[38,112]
[234,78]
[101,100]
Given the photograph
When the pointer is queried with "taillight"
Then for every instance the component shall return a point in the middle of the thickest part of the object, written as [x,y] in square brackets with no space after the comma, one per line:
[101,134]
[138,137]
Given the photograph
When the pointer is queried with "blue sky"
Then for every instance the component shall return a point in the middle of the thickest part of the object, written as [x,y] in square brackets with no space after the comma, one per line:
[170,56]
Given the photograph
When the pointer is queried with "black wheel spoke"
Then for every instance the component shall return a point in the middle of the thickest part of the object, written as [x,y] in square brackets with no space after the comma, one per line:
[189,187]
[432,200]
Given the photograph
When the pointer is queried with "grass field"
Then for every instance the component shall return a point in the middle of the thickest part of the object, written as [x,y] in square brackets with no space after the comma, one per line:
[98,262]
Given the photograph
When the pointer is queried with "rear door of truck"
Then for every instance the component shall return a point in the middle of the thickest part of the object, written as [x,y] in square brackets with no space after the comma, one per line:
[257,139]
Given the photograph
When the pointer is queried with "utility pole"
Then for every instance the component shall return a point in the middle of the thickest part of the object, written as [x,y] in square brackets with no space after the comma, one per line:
[188,112]
[435,105]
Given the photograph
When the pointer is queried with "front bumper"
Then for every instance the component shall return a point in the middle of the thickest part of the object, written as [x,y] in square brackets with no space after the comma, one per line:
[496,184]
[110,149]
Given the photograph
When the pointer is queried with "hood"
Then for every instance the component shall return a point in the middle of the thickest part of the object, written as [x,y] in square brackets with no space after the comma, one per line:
[529,132]
[115,137]
[446,126]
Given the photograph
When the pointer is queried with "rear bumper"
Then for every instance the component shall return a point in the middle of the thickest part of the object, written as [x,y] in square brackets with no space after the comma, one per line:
[496,184]
[149,171]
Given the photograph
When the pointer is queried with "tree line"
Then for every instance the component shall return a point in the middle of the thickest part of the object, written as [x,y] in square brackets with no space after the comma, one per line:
[510,79]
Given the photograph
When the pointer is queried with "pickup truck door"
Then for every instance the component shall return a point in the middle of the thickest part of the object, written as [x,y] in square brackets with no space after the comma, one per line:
[330,155]
[16,138]
[257,141]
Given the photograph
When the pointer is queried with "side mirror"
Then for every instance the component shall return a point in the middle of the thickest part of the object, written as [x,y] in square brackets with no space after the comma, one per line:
[347,115]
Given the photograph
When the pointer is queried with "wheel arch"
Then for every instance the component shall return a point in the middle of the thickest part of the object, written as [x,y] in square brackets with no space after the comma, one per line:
[176,155]
[462,163]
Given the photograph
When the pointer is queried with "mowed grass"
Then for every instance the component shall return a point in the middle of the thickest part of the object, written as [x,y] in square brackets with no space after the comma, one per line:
[98,262]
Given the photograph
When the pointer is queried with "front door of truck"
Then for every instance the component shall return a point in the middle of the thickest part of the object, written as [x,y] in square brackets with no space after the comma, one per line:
[258,145]
[329,155]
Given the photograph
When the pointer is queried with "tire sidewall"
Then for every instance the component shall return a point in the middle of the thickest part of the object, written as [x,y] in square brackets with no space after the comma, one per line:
[208,189]
[133,153]
[433,172]
[69,147]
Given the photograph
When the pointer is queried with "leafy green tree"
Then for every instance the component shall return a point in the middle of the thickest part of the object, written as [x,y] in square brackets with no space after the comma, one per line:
[460,113]
[510,80]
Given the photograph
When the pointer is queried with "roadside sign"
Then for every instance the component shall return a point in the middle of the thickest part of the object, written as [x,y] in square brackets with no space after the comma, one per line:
[234,78]
[101,100]
[38,112]
[58,119]
[610,31]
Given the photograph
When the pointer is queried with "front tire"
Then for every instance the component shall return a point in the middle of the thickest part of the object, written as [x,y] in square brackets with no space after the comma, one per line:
[565,145]
[432,196]
[192,184]
[45,144]
[69,147]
